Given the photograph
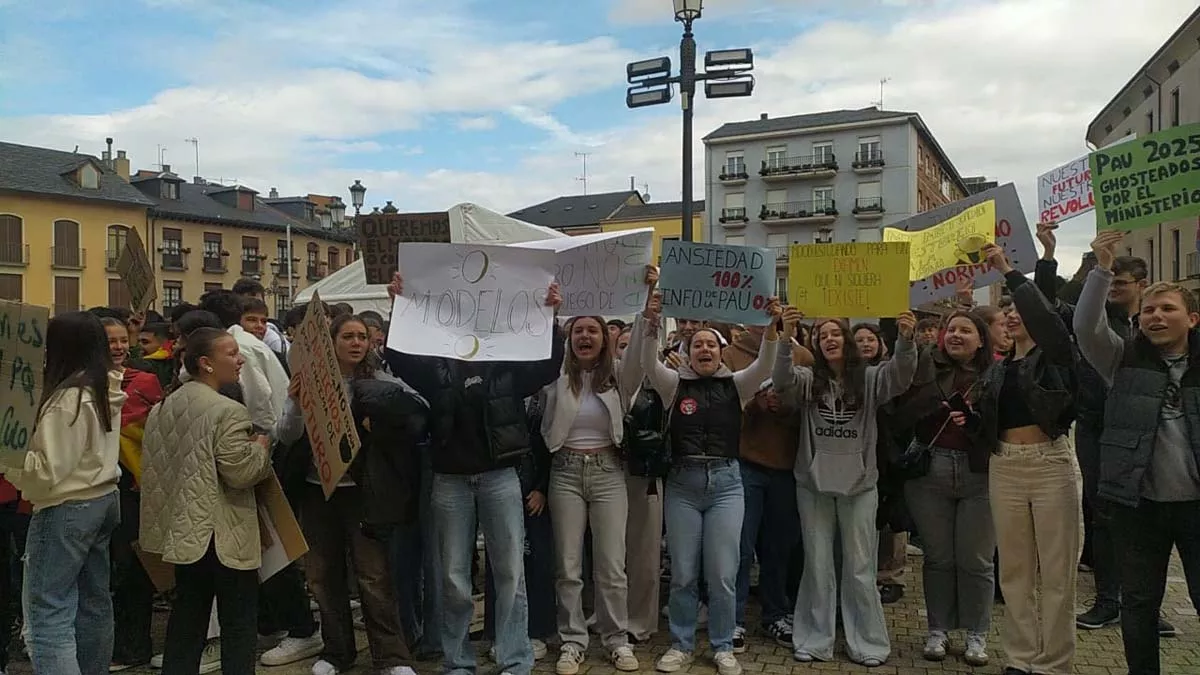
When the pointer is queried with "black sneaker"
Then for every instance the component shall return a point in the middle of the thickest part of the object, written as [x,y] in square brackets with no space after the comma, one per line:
[739,640]
[1100,615]
[890,593]
[780,632]
[1165,629]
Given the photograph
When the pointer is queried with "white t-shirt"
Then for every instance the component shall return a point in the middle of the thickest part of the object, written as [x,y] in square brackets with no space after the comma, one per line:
[592,428]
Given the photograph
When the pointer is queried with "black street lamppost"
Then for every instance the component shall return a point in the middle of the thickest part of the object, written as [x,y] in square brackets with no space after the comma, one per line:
[727,75]
[357,192]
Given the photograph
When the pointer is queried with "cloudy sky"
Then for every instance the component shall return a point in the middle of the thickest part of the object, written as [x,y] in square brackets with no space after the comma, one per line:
[434,103]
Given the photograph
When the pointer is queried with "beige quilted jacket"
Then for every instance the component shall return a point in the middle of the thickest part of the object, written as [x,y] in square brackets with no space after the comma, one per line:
[200,467]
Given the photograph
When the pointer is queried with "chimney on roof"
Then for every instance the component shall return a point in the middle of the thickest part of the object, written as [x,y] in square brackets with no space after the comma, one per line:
[166,168]
[762,116]
[197,180]
[106,157]
[273,194]
[631,185]
[121,165]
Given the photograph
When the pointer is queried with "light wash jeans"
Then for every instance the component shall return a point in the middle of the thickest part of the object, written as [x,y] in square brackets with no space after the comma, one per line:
[493,501]
[68,609]
[704,510]
[815,621]
[590,487]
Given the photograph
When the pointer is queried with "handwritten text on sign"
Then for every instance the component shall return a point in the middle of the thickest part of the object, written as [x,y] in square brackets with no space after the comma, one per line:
[718,283]
[1012,235]
[22,353]
[474,302]
[865,279]
[1065,192]
[1149,181]
[380,234]
[954,241]
[600,274]
[323,400]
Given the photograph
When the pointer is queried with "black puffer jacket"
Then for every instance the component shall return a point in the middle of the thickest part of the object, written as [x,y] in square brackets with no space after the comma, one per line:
[496,416]
[392,425]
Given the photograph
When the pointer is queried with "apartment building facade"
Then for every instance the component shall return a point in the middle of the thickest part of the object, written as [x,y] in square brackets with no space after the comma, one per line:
[1163,93]
[838,176]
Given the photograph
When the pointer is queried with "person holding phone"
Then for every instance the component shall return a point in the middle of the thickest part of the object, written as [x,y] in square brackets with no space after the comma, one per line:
[947,492]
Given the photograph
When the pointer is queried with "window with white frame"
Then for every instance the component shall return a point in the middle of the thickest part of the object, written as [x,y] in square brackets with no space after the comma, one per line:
[870,234]
[735,205]
[735,163]
[778,242]
[89,177]
[870,196]
[822,198]
[822,152]
[868,149]
[776,156]
[781,286]
[945,187]
[776,198]
[735,240]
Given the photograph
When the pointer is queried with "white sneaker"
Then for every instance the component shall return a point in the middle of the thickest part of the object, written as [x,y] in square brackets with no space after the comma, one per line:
[935,646]
[569,658]
[976,651]
[624,660]
[210,658]
[727,663]
[291,650]
[323,667]
[539,649]
[398,670]
[672,661]
[355,604]
[156,661]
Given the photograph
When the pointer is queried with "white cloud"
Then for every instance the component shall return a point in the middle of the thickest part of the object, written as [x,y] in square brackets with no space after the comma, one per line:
[481,123]
[1007,87]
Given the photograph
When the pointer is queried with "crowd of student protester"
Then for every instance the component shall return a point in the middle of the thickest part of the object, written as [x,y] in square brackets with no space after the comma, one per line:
[1015,445]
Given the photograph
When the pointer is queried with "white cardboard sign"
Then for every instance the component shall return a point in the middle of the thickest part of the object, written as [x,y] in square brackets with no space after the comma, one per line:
[600,274]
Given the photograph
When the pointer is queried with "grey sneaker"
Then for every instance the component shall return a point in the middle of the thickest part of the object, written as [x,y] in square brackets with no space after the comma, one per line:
[976,651]
[569,659]
[727,663]
[935,646]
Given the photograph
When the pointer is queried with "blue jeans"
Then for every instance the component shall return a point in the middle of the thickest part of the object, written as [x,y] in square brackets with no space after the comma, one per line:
[68,608]
[493,501]
[704,509]
[771,527]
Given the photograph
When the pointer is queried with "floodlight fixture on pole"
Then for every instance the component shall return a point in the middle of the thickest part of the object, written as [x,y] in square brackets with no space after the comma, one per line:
[727,74]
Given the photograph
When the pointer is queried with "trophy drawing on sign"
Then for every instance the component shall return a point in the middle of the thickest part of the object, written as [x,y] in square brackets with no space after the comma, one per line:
[970,249]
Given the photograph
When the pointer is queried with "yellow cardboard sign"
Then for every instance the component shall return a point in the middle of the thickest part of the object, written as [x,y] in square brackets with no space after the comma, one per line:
[865,279]
[950,243]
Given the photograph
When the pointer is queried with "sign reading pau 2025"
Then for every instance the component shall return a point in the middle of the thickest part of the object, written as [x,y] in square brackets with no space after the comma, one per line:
[1149,181]
[719,283]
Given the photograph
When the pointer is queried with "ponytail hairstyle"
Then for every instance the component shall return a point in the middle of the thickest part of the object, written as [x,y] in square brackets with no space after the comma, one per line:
[77,356]
[200,343]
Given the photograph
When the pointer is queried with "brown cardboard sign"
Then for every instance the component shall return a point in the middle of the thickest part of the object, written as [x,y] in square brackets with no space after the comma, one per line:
[22,353]
[282,541]
[323,400]
[380,236]
[137,272]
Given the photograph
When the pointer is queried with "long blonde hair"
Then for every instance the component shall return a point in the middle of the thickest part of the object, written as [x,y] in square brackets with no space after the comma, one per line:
[603,377]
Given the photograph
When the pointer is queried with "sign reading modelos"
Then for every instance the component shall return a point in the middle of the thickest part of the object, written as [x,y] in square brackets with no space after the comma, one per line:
[380,236]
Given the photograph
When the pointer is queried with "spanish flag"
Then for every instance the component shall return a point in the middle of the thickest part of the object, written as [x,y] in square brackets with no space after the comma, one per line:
[142,392]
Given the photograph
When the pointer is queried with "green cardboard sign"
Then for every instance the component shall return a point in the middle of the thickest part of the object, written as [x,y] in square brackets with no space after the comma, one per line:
[1151,180]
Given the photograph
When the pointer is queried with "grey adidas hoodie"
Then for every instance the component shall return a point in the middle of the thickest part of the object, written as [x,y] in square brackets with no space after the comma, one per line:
[837,442]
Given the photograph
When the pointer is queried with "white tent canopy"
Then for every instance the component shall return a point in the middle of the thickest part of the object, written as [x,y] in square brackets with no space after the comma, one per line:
[469,223]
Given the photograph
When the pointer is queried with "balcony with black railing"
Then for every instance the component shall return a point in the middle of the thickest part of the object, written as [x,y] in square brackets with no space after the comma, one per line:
[868,208]
[174,260]
[734,217]
[280,267]
[796,168]
[316,271]
[68,257]
[251,265]
[16,255]
[868,161]
[215,263]
[810,211]
[734,174]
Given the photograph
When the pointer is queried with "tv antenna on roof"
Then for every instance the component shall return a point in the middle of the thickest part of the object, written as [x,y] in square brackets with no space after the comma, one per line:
[882,82]
[583,179]
[162,154]
[195,146]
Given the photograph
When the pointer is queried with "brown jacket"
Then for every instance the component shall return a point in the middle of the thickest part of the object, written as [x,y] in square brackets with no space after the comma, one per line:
[768,439]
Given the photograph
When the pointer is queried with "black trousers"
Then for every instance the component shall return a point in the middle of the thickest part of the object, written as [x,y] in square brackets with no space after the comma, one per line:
[1148,533]
[132,589]
[13,529]
[236,592]
[1097,519]
[283,605]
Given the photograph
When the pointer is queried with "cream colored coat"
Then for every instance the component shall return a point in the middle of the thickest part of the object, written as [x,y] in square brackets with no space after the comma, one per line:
[199,472]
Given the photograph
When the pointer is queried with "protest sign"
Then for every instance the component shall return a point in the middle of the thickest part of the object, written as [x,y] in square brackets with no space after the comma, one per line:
[1065,192]
[1146,182]
[379,236]
[323,401]
[1012,234]
[864,279]
[137,272]
[600,274]
[719,283]
[958,240]
[474,302]
[22,354]
[280,537]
